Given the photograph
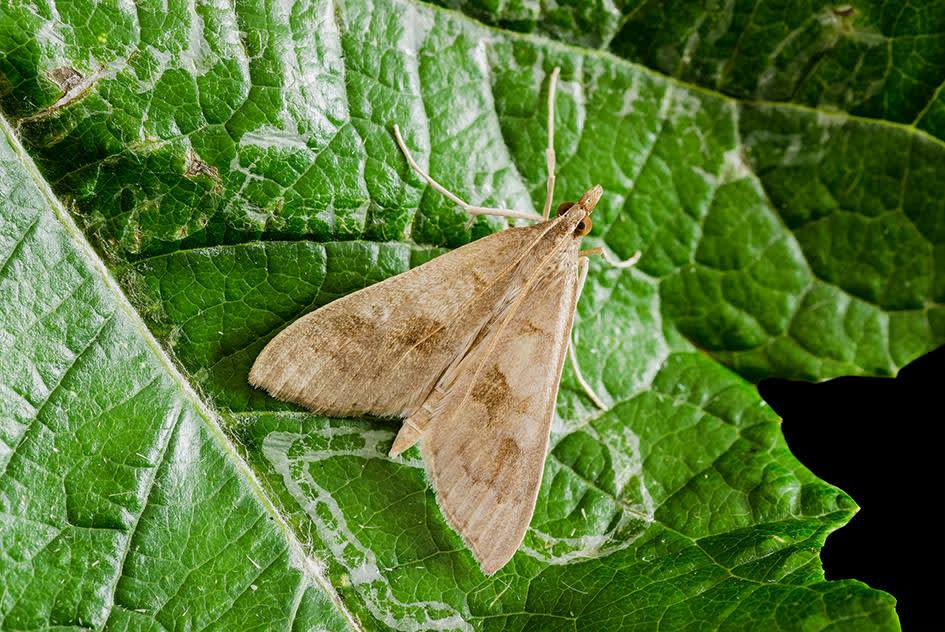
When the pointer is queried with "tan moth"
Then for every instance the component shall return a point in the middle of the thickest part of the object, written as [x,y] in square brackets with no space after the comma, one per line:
[468,349]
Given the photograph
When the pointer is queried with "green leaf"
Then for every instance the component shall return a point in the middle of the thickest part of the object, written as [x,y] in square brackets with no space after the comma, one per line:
[870,58]
[234,168]
[122,504]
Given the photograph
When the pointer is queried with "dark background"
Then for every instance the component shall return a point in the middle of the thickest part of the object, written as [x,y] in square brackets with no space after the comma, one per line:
[883,442]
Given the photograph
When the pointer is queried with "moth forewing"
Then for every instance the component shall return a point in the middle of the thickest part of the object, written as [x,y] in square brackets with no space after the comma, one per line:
[484,427]
[485,448]
[544,255]
[380,350]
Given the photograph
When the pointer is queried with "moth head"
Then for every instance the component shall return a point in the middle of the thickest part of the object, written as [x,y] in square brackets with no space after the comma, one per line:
[587,203]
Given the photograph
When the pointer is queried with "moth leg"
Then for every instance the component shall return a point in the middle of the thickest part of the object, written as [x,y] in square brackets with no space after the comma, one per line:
[550,151]
[466,206]
[572,356]
[610,260]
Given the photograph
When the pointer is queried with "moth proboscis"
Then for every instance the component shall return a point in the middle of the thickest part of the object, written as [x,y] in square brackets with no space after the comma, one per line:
[468,349]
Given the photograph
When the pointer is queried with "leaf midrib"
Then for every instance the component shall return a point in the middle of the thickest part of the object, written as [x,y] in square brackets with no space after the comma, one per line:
[207,416]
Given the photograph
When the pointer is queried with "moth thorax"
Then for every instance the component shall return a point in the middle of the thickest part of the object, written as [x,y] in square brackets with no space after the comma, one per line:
[584,226]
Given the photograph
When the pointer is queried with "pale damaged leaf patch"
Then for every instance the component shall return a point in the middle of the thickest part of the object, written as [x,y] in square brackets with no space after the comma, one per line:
[293,456]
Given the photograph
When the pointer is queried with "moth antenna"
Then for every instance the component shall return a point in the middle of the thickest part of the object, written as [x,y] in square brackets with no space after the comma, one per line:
[550,151]
[572,356]
[616,263]
[455,199]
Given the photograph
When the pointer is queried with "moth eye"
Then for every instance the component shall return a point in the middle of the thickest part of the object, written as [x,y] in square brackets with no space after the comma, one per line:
[583,227]
[564,206]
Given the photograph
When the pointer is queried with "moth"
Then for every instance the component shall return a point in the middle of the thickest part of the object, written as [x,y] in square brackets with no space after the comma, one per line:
[468,349]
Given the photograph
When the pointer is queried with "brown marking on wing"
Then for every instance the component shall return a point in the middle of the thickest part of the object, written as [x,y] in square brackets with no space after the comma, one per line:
[529,328]
[509,459]
[415,329]
[508,467]
[479,282]
[351,325]
[494,393]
